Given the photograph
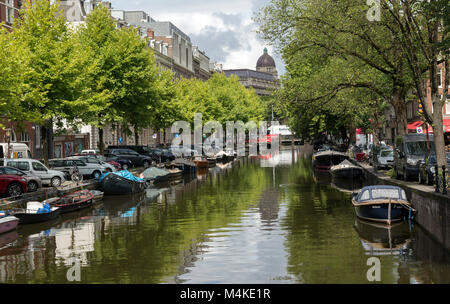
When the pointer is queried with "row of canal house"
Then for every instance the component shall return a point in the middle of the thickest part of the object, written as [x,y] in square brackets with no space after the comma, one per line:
[415,122]
[173,51]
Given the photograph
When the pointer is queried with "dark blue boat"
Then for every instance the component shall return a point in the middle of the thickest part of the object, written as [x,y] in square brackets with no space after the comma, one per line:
[381,203]
[121,183]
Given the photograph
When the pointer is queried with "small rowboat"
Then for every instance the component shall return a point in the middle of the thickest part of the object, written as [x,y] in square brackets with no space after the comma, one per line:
[201,163]
[8,223]
[383,204]
[36,212]
[75,201]
[98,195]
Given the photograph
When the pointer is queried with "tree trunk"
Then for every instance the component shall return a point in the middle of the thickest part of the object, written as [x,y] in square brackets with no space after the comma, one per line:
[439,142]
[44,140]
[164,136]
[398,102]
[101,145]
[136,135]
[352,134]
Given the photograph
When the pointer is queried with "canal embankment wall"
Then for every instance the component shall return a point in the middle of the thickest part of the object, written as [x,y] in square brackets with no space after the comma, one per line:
[432,209]
[45,193]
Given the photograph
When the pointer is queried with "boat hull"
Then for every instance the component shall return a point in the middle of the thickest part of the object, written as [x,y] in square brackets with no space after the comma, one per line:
[8,223]
[66,208]
[347,173]
[114,184]
[201,164]
[380,213]
[325,162]
[32,218]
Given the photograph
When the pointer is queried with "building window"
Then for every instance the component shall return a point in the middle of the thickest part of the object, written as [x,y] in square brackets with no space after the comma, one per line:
[440,78]
[187,60]
[447,106]
[24,137]
[38,137]
[9,11]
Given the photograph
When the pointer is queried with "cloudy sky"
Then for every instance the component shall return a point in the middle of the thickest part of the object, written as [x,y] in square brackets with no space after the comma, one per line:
[223,29]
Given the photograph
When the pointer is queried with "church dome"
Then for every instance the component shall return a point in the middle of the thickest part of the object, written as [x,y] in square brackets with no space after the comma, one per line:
[265,60]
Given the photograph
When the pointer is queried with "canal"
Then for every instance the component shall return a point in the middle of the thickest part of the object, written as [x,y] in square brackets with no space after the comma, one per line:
[254,221]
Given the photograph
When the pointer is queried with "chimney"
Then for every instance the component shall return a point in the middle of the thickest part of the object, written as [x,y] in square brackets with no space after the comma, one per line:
[150,34]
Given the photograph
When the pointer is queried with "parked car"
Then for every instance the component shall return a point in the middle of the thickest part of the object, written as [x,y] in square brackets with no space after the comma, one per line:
[95,160]
[12,184]
[34,167]
[381,156]
[410,151]
[85,152]
[118,162]
[67,165]
[427,169]
[143,150]
[131,155]
[162,155]
[33,181]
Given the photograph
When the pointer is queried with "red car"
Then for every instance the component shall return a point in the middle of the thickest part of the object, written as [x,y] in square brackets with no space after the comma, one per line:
[12,185]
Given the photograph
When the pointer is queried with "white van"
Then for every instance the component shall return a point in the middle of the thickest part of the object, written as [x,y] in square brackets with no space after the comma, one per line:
[31,166]
[17,150]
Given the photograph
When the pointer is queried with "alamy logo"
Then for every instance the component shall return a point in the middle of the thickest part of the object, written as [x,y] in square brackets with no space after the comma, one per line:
[215,142]
[74,272]
[374,272]
[374,12]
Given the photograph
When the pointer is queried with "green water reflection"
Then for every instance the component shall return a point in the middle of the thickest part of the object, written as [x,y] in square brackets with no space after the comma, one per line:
[247,223]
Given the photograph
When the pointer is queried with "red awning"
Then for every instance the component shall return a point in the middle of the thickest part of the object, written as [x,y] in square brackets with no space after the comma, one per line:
[359,131]
[414,125]
[446,124]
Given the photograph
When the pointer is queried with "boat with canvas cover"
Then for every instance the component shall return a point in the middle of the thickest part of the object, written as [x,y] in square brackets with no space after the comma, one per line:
[383,204]
[156,175]
[324,160]
[346,170]
[121,183]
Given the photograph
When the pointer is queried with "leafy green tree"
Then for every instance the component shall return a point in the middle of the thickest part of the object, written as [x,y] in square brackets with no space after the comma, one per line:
[121,79]
[424,38]
[344,52]
[47,87]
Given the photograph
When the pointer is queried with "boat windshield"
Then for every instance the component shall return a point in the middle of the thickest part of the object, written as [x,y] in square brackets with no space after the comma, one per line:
[383,193]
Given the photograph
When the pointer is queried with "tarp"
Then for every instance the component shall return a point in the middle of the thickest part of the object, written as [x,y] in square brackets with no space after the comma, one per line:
[152,173]
[124,173]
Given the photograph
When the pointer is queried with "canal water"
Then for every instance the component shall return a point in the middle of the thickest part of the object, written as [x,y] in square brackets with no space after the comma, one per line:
[253,221]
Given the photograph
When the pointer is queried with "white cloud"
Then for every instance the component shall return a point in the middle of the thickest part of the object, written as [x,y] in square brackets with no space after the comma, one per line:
[224,29]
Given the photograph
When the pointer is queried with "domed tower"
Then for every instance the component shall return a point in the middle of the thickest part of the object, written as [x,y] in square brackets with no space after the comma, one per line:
[266,64]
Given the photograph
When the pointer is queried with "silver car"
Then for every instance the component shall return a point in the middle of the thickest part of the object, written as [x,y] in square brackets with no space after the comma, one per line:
[385,158]
[34,167]
[67,165]
[33,182]
[94,160]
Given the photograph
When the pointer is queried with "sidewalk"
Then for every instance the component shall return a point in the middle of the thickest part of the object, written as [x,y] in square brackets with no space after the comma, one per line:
[381,174]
